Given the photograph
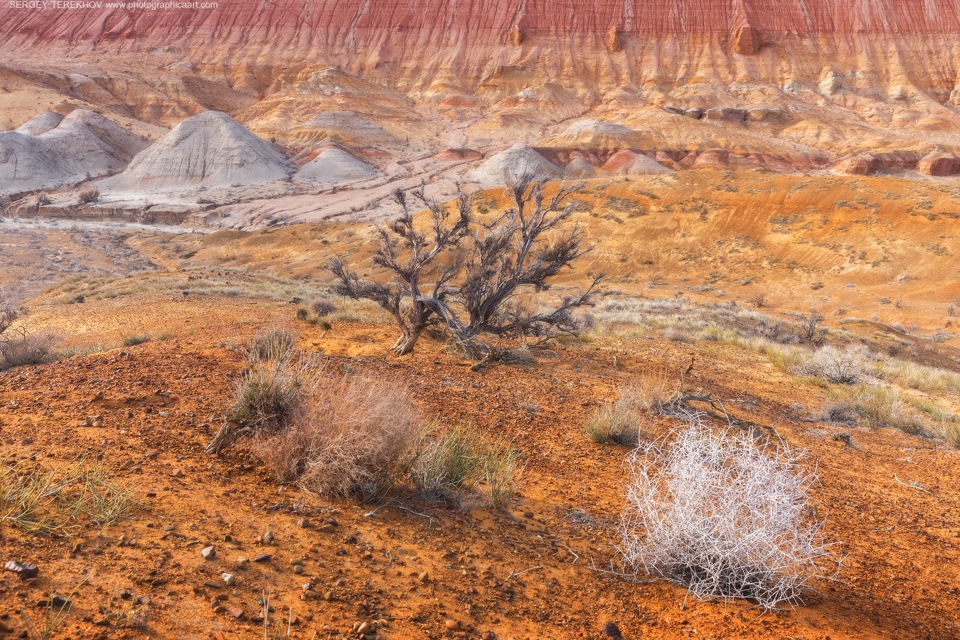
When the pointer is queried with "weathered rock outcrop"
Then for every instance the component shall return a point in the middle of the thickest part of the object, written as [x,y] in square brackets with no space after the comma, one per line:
[939,165]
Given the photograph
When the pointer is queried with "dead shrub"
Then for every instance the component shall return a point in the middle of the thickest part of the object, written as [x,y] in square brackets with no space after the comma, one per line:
[22,348]
[89,195]
[724,517]
[323,307]
[349,437]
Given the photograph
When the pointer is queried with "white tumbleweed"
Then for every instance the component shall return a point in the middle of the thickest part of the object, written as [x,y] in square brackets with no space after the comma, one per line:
[723,516]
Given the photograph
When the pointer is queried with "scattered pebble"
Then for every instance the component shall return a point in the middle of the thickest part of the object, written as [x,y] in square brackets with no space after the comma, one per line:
[23,570]
[209,553]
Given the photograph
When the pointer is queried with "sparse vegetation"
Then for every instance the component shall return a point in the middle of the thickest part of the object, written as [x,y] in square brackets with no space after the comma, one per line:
[18,346]
[50,500]
[88,196]
[349,437]
[447,463]
[724,517]
[871,406]
[137,339]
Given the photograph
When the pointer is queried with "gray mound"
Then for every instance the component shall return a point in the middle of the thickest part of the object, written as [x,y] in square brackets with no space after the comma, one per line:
[211,149]
[82,146]
[40,123]
[510,165]
[335,167]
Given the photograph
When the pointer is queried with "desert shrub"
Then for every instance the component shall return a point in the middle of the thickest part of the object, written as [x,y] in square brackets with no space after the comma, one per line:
[10,306]
[276,344]
[722,516]
[323,307]
[89,195]
[842,366]
[870,406]
[348,437]
[447,463]
[21,348]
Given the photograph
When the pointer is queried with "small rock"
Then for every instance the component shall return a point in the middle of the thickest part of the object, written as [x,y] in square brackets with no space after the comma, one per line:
[453,625]
[178,473]
[611,630]
[241,563]
[298,569]
[23,570]
[363,628]
[268,537]
[327,528]
[423,577]
[488,635]
[262,557]
[209,553]
[303,523]
[227,578]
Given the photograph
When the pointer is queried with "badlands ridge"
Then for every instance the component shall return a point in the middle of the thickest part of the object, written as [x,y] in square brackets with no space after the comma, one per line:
[354,99]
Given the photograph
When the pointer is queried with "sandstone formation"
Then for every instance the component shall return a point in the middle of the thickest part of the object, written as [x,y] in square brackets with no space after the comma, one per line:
[845,78]
[633,164]
[210,150]
[66,151]
[939,165]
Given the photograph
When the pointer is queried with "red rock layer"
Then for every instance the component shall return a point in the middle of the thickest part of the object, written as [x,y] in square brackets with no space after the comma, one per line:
[320,21]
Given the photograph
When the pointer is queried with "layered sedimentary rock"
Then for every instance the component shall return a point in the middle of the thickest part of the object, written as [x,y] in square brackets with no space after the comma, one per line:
[791,85]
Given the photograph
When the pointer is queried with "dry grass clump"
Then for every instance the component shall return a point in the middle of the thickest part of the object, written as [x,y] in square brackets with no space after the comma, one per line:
[502,470]
[51,501]
[448,464]
[271,389]
[951,434]
[276,344]
[348,437]
[871,406]
[612,423]
[724,517]
[619,422]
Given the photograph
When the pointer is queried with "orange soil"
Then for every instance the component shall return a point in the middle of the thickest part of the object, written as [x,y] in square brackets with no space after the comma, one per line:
[162,401]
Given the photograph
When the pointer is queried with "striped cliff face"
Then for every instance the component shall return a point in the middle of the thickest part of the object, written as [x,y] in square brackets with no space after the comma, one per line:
[803,80]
